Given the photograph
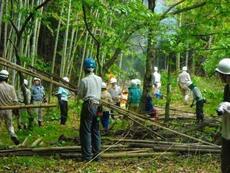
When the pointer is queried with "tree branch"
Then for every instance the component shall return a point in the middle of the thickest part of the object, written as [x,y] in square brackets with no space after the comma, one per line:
[91,34]
[170,8]
[189,8]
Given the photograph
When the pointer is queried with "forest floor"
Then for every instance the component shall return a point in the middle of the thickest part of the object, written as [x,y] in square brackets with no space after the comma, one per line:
[162,163]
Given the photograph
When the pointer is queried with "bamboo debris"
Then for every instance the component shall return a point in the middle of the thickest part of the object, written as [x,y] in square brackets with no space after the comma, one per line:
[130,150]
[27,106]
[139,117]
[19,68]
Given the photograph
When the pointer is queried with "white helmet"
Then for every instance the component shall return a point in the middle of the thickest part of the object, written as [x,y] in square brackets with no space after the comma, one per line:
[113,80]
[4,74]
[103,85]
[185,68]
[25,82]
[133,82]
[224,66]
[138,81]
[155,68]
[66,79]
[37,79]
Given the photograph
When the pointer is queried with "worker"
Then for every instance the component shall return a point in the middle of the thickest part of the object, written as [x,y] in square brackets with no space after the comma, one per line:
[223,69]
[105,96]
[149,106]
[20,113]
[63,95]
[8,97]
[90,93]
[198,98]
[115,91]
[157,83]
[37,98]
[134,96]
[182,80]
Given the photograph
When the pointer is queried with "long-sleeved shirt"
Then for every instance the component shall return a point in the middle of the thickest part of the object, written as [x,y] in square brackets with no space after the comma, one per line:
[90,88]
[105,96]
[37,93]
[197,94]
[115,92]
[21,97]
[7,94]
[183,77]
[156,77]
[64,93]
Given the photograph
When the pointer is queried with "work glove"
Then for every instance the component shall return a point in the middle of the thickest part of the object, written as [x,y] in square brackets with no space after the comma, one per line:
[223,108]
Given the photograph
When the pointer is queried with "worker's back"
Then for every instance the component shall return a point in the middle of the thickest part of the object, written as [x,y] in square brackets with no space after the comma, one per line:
[7,94]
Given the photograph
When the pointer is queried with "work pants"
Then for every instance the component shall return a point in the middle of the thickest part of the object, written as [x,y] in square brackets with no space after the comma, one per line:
[89,131]
[6,115]
[38,111]
[185,92]
[199,110]
[105,120]
[64,111]
[225,153]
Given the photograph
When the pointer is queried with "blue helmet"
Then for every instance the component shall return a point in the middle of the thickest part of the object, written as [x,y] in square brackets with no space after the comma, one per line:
[89,63]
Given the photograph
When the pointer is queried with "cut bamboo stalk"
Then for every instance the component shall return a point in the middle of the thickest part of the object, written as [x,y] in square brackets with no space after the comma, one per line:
[27,106]
[138,117]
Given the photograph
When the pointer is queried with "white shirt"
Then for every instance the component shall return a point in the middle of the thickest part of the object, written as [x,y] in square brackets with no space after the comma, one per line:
[156,77]
[90,88]
[183,77]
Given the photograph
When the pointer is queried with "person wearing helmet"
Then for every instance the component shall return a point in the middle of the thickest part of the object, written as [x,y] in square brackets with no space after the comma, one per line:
[198,98]
[115,91]
[20,114]
[157,83]
[134,96]
[63,95]
[182,80]
[105,95]
[223,69]
[90,93]
[37,98]
[7,97]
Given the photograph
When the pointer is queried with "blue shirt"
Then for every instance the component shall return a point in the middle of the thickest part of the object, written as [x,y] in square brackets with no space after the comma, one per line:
[64,93]
[37,92]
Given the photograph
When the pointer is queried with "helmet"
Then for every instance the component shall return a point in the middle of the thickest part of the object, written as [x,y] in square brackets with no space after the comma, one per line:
[155,68]
[133,82]
[4,74]
[66,79]
[37,79]
[138,81]
[185,68]
[224,66]
[89,64]
[25,82]
[103,85]
[113,80]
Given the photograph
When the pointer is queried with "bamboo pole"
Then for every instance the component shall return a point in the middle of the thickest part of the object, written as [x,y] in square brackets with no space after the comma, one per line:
[27,106]
[138,116]
[19,68]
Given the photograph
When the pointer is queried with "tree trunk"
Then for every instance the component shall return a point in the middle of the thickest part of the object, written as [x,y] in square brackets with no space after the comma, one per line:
[168,96]
[147,86]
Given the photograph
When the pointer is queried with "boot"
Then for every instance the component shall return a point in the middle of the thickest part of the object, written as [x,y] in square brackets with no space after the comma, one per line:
[15,140]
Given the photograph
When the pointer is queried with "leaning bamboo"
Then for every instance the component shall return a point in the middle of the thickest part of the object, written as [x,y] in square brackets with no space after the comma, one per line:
[139,117]
[9,64]
[27,106]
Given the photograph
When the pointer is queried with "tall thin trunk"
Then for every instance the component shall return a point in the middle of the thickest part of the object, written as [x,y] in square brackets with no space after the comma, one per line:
[1,14]
[55,51]
[64,55]
[168,95]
